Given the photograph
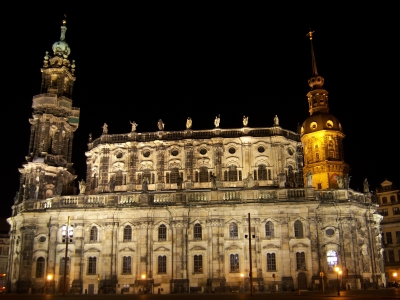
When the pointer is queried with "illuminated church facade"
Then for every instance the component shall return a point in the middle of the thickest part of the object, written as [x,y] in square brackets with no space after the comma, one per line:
[214,210]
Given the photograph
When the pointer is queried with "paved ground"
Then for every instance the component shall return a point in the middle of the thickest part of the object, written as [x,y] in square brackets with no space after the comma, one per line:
[391,293]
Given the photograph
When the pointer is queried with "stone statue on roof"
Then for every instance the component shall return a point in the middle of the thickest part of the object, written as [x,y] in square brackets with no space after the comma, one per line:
[245,121]
[134,125]
[276,121]
[105,128]
[160,125]
[216,121]
[188,123]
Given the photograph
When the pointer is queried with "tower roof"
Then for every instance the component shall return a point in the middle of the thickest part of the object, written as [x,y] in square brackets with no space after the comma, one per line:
[61,47]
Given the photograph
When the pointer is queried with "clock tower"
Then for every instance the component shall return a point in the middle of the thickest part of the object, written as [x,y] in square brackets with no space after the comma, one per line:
[322,137]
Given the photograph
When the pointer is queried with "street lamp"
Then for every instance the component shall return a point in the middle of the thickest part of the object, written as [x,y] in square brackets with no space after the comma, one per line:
[321,274]
[338,271]
[242,275]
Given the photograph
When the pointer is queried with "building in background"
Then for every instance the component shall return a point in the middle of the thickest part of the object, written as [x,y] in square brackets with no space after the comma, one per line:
[4,253]
[389,207]
[173,211]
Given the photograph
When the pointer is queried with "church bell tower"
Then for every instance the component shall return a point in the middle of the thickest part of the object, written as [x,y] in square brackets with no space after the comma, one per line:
[48,170]
[322,136]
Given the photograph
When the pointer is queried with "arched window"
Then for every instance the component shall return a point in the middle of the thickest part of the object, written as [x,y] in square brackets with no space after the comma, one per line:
[262,172]
[127,265]
[271,262]
[174,175]
[204,174]
[233,231]
[392,199]
[62,265]
[92,265]
[40,264]
[298,229]
[234,262]
[93,234]
[162,264]
[332,260]
[269,229]
[232,173]
[162,233]
[198,264]
[197,231]
[301,261]
[127,233]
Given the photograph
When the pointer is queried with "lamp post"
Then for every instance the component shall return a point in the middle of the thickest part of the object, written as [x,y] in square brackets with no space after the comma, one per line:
[48,282]
[242,275]
[321,274]
[338,271]
[394,277]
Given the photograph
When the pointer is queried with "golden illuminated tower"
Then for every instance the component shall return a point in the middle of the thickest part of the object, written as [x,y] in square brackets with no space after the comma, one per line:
[322,137]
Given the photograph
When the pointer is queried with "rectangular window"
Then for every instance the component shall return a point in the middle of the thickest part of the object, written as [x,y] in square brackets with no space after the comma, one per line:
[271,262]
[389,238]
[162,264]
[198,264]
[383,212]
[391,256]
[127,265]
[396,210]
[92,265]
[397,237]
[234,262]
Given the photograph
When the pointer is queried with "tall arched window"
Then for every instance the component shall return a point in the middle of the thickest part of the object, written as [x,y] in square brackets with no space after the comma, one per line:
[127,265]
[127,233]
[118,178]
[332,260]
[262,172]
[271,262]
[232,173]
[198,264]
[93,234]
[300,260]
[40,264]
[204,174]
[197,231]
[234,262]
[233,231]
[298,229]
[162,233]
[162,264]
[269,229]
[92,265]
[174,175]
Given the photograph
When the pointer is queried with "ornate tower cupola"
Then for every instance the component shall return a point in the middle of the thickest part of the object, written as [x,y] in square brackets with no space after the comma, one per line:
[322,136]
[49,170]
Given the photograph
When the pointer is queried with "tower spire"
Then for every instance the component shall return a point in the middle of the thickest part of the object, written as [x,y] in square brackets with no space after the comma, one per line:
[314,63]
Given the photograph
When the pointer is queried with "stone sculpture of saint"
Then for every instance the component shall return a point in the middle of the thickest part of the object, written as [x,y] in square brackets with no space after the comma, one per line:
[105,128]
[365,186]
[134,125]
[145,187]
[245,121]
[160,125]
[276,121]
[340,182]
[309,178]
[188,123]
[216,121]
[112,184]
[82,186]
[90,138]
[213,181]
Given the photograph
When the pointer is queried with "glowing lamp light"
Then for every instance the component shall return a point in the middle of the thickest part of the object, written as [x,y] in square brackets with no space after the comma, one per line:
[143,276]
[337,269]
[395,274]
[241,275]
[49,277]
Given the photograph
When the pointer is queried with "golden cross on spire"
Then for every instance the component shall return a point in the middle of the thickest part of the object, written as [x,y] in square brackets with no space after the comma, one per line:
[65,19]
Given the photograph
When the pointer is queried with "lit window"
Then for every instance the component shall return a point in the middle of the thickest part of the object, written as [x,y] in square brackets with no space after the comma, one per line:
[197,232]
[332,260]
[127,265]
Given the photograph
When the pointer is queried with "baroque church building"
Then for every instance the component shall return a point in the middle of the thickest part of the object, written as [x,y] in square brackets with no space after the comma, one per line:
[214,210]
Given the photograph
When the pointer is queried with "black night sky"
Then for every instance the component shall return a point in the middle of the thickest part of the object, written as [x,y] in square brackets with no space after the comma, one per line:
[143,64]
